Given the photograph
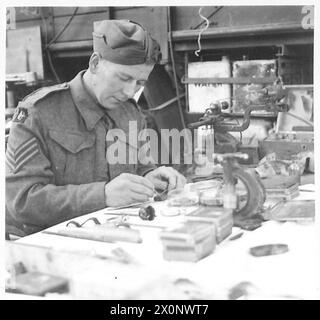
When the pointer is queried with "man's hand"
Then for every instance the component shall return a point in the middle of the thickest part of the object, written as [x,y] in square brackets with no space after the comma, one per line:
[166,178]
[126,189]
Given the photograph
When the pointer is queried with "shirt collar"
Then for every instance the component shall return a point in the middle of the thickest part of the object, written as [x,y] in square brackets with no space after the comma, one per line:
[90,111]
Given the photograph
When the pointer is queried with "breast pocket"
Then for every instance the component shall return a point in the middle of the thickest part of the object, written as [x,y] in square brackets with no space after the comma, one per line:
[73,156]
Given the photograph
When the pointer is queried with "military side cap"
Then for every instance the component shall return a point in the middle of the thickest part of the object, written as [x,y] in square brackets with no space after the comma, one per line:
[125,42]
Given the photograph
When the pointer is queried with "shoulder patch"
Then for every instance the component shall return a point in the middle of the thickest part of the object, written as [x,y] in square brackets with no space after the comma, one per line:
[41,93]
[20,115]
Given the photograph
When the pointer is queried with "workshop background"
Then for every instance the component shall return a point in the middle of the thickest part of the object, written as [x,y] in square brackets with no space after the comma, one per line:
[242,76]
[50,45]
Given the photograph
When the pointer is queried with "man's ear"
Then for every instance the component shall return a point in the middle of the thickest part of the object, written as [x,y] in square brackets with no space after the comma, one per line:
[94,62]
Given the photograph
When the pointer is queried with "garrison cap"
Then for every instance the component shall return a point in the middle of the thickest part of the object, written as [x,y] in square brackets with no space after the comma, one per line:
[125,42]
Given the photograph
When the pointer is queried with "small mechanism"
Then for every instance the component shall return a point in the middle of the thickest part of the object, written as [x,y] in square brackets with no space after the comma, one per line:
[147,213]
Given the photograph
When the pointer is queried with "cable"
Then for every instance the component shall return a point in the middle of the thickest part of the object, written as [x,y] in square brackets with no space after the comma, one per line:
[200,33]
[189,143]
[52,66]
[53,70]
[174,70]
[167,103]
[57,36]
[239,131]
[208,17]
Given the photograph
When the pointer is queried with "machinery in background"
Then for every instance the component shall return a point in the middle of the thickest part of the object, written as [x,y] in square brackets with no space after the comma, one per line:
[248,200]
[215,118]
[294,132]
[243,192]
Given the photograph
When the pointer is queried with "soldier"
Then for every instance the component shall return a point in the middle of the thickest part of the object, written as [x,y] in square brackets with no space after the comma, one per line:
[56,163]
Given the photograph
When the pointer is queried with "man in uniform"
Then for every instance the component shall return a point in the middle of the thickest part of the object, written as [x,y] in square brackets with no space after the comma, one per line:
[57,164]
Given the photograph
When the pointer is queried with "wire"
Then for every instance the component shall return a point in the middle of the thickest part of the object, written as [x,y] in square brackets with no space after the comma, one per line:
[52,66]
[239,131]
[174,70]
[54,39]
[189,144]
[167,103]
[53,70]
[208,17]
[200,33]
[58,35]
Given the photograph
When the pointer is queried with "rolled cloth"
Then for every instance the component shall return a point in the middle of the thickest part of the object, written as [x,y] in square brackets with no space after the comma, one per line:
[125,42]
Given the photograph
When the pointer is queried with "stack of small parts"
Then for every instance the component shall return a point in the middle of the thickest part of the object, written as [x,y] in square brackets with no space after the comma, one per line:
[220,218]
[190,241]
[281,187]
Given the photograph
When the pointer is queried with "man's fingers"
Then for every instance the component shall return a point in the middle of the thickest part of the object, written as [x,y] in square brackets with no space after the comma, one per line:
[172,181]
[160,184]
[140,180]
[138,197]
[181,181]
[170,175]
[167,178]
[141,189]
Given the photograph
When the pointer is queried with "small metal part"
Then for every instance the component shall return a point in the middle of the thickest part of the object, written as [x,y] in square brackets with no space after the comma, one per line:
[224,105]
[161,196]
[237,236]
[269,250]
[158,198]
[147,213]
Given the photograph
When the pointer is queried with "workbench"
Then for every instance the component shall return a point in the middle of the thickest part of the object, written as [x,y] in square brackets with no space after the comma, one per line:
[123,270]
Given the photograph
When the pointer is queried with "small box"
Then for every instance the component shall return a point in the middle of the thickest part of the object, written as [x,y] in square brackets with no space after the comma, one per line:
[189,253]
[190,241]
[281,187]
[220,218]
[190,232]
